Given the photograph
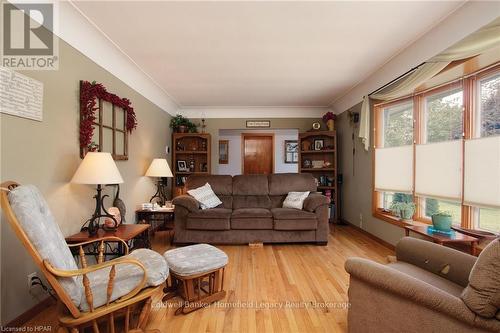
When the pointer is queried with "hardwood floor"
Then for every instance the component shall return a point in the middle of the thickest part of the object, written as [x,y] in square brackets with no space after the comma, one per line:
[304,288]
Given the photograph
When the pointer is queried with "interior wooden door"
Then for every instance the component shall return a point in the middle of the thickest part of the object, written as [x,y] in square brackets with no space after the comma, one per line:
[258,154]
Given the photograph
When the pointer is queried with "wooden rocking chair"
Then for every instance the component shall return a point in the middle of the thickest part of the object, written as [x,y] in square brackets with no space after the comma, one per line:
[32,211]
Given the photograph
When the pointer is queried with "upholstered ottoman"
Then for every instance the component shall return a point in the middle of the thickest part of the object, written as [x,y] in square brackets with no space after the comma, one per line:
[197,275]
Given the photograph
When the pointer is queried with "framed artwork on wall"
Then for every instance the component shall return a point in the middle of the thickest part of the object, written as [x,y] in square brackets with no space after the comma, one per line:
[223,151]
[291,151]
[258,123]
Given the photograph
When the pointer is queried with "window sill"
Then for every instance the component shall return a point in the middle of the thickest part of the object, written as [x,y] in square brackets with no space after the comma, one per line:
[394,220]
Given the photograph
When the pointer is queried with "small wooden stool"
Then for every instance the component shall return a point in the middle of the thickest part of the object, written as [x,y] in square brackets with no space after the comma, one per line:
[197,275]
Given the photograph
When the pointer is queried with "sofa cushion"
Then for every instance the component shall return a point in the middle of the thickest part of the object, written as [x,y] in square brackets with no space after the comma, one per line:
[295,200]
[250,185]
[292,214]
[127,277]
[296,224]
[482,295]
[428,277]
[252,219]
[209,219]
[282,183]
[195,259]
[251,201]
[221,184]
[251,213]
[205,196]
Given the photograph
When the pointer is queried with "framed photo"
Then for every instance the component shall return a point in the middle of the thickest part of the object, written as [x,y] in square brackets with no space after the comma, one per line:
[291,151]
[258,123]
[223,151]
[318,144]
[182,166]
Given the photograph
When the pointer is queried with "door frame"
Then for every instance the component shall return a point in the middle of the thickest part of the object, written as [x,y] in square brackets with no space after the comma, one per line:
[243,135]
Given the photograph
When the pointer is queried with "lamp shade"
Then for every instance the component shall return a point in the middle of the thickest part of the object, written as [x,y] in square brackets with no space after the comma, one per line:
[97,168]
[159,168]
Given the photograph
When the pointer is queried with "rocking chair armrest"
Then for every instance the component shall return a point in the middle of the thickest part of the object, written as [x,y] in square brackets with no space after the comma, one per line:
[61,273]
[102,239]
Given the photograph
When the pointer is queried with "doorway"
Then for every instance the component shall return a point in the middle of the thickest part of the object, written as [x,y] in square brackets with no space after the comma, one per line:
[257,152]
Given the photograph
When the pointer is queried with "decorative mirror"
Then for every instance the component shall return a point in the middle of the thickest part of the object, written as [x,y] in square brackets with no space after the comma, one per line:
[105,121]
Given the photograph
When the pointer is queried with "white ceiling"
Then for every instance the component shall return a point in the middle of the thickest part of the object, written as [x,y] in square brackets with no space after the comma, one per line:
[273,54]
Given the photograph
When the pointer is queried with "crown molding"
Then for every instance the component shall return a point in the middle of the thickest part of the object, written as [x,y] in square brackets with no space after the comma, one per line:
[253,112]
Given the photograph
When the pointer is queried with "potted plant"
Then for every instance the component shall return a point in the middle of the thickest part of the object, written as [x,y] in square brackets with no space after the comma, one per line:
[329,120]
[442,221]
[181,124]
[403,210]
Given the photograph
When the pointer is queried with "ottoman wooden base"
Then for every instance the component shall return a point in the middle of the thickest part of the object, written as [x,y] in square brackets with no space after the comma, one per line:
[198,291]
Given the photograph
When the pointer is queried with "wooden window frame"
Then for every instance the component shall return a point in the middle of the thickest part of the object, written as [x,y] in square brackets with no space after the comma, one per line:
[469,86]
[100,126]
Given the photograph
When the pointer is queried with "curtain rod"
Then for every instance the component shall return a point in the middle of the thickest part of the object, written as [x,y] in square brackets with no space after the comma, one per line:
[396,79]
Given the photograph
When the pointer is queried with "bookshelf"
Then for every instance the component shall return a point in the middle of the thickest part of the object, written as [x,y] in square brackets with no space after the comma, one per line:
[318,156]
[191,156]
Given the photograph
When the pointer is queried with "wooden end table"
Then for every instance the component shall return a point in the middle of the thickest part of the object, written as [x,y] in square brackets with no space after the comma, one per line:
[159,219]
[443,238]
[139,233]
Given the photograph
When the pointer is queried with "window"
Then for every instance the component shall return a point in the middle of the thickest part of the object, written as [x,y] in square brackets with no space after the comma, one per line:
[443,116]
[488,219]
[433,206]
[398,125]
[448,139]
[489,106]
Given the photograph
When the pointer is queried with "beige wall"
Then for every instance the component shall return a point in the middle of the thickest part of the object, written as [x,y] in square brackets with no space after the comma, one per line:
[356,192]
[216,124]
[46,154]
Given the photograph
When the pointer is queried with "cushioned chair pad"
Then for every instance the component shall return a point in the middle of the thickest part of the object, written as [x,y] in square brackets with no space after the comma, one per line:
[195,259]
[127,277]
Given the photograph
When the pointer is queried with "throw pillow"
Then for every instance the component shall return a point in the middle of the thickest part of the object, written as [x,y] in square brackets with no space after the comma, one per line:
[205,196]
[482,295]
[295,200]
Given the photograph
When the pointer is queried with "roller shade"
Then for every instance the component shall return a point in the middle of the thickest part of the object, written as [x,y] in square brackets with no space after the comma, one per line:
[438,171]
[394,169]
[482,172]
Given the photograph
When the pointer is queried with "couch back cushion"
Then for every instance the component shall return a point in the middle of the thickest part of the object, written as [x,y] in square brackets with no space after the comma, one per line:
[222,185]
[251,191]
[282,183]
[482,295]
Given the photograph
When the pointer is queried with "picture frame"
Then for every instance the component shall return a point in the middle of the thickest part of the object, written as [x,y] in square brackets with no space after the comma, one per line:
[182,166]
[258,123]
[319,144]
[223,151]
[291,151]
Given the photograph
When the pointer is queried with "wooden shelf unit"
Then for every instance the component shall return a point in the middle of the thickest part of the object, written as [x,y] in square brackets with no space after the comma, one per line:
[327,174]
[194,148]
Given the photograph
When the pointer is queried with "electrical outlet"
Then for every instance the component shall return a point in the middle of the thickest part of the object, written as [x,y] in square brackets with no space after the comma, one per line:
[361,220]
[30,279]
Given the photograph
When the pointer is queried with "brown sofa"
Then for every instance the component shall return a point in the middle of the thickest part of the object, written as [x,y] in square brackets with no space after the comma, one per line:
[423,291]
[251,211]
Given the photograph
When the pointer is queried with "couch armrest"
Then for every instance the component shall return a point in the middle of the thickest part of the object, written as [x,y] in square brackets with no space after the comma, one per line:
[408,287]
[448,263]
[314,201]
[187,202]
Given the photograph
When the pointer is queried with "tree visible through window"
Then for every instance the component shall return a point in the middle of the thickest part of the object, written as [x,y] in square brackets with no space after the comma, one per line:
[444,118]
[398,125]
[489,106]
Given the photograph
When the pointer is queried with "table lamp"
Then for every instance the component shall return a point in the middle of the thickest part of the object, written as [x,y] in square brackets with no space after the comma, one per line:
[159,168]
[98,169]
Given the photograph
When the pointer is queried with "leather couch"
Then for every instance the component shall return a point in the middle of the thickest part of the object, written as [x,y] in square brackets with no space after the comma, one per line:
[251,211]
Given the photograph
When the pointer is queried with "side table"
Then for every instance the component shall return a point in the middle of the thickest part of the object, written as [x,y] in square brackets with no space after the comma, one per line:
[159,219]
[135,235]
[443,238]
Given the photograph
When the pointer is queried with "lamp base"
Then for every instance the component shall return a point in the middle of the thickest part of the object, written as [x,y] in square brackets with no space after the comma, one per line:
[93,224]
[161,192]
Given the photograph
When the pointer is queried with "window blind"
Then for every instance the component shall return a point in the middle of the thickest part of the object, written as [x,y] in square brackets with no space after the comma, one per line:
[394,169]
[438,171]
[482,172]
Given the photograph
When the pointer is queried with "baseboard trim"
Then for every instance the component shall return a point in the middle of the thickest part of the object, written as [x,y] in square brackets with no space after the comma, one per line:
[372,236]
[26,316]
